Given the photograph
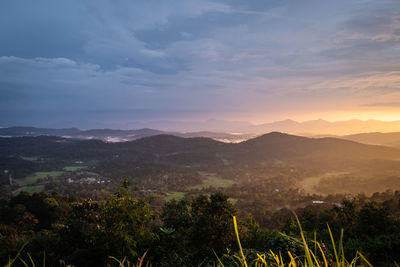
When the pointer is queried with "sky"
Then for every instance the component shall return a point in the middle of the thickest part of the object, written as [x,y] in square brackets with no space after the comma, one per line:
[119,64]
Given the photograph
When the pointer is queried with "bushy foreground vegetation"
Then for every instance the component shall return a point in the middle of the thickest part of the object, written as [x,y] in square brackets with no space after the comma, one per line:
[198,231]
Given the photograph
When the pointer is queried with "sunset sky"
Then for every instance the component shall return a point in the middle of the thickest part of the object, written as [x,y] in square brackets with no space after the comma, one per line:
[99,63]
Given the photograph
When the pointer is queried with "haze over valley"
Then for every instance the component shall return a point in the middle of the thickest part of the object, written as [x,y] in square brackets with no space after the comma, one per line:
[330,159]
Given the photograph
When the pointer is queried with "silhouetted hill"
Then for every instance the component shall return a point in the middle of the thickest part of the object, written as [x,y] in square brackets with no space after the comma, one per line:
[311,127]
[385,139]
[167,144]
[269,147]
[218,129]
[279,146]
[326,127]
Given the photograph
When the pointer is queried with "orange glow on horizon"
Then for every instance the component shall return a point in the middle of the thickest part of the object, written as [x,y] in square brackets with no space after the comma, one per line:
[381,115]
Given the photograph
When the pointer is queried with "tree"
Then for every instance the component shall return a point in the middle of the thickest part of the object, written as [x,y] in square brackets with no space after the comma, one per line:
[195,229]
[125,224]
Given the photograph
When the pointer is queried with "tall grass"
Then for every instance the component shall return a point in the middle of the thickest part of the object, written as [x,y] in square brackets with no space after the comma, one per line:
[25,262]
[318,258]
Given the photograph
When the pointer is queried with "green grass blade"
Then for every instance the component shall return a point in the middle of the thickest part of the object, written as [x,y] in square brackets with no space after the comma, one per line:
[354,261]
[315,258]
[315,242]
[220,262]
[30,258]
[323,255]
[364,259]
[274,256]
[306,249]
[280,258]
[341,252]
[10,262]
[292,262]
[238,240]
[23,262]
[262,258]
[334,246]
[120,263]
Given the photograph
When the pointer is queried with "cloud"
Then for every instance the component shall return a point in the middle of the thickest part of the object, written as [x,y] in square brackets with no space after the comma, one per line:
[385,104]
[376,81]
[371,33]
[210,56]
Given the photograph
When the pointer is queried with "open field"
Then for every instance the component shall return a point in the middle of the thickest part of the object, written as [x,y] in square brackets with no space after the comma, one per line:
[213,180]
[233,200]
[309,184]
[175,195]
[31,179]
[30,158]
[74,168]
[30,189]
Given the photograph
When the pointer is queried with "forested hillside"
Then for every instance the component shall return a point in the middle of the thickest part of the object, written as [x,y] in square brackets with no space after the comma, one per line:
[74,186]
[169,164]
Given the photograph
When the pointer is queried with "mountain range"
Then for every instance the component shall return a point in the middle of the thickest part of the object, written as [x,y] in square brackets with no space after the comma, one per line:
[269,147]
[231,131]
[322,127]
[113,135]
[385,139]
[311,127]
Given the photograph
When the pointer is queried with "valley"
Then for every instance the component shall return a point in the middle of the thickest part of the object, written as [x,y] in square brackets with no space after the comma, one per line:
[169,166]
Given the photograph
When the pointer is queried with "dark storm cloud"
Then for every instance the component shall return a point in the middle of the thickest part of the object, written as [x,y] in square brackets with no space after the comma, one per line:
[193,57]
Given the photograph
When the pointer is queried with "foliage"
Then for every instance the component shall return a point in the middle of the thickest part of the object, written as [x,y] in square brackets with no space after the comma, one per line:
[192,231]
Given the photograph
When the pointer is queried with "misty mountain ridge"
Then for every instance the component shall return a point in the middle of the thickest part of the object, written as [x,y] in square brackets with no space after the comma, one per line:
[115,135]
[384,139]
[268,147]
[326,127]
[217,129]
[311,127]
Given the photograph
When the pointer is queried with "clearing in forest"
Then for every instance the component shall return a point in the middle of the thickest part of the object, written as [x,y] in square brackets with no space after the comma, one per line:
[33,178]
[213,180]
[175,195]
[30,189]
[74,168]
[309,184]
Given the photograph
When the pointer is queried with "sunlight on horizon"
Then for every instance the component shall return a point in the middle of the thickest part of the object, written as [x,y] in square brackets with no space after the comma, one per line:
[379,115]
